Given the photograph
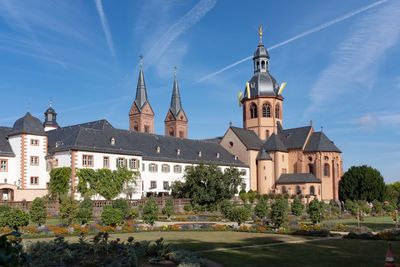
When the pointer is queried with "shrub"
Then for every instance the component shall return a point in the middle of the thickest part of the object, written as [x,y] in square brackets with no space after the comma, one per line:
[188,208]
[261,209]
[38,212]
[121,204]
[297,207]
[377,207]
[14,218]
[3,215]
[150,211]
[239,214]
[314,210]
[279,212]
[83,215]
[133,213]
[243,195]
[251,195]
[225,208]
[112,216]
[168,210]
[68,210]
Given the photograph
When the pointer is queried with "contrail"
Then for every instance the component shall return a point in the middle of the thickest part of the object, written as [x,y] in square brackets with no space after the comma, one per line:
[301,35]
[104,25]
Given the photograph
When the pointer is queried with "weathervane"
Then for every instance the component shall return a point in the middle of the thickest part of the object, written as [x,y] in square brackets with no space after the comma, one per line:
[260,32]
[141,61]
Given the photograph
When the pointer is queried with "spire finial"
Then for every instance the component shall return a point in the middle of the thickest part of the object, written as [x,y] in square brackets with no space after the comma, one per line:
[260,32]
[322,129]
[141,60]
[175,70]
[51,102]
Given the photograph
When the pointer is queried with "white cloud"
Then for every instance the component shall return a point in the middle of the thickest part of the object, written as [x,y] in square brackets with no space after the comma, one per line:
[371,120]
[358,57]
[105,26]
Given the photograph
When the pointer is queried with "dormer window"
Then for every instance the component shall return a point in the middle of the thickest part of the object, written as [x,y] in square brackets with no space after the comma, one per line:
[235,157]
[158,149]
[112,141]
[217,155]
[178,151]
[59,143]
[199,154]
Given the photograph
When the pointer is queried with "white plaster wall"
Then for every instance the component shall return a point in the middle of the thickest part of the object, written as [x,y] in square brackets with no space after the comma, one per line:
[11,174]
[15,142]
[40,170]
[64,158]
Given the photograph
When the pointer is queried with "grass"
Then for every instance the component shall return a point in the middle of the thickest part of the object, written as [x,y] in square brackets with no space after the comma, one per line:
[328,252]
[374,223]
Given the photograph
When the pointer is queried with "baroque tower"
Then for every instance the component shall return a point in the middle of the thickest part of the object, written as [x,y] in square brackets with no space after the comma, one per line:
[50,119]
[141,114]
[262,103]
[176,122]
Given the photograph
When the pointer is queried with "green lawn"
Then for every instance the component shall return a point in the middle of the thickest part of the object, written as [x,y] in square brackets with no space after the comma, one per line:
[338,252]
[375,223]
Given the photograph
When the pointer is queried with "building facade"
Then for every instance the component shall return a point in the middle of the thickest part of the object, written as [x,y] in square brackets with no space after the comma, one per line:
[294,161]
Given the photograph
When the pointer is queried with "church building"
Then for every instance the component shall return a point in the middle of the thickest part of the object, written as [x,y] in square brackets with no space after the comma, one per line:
[272,159]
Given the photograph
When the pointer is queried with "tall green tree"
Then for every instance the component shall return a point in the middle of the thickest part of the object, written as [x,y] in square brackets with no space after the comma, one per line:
[59,181]
[362,183]
[261,208]
[206,185]
[150,211]
[393,193]
[105,182]
[314,210]
[297,207]
[38,212]
[279,210]
[169,209]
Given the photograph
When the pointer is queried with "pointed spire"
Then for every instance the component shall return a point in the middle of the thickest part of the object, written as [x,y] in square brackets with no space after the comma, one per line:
[176,104]
[260,32]
[141,91]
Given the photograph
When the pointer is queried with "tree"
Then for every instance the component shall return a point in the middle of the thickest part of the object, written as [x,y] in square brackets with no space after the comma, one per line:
[150,211]
[68,210]
[225,207]
[207,185]
[377,207]
[105,182]
[85,211]
[38,212]
[112,216]
[59,181]
[121,204]
[251,195]
[261,208]
[243,196]
[314,210]
[14,218]
[297,207]
[168,210]
[279,212]
[362,183]
[393,193]
[239,214]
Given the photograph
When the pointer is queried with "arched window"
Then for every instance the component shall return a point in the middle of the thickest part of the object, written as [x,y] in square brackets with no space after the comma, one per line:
[312,190]
[171,131]
[298,190]
[326,170]
[135,127]
[266,133]
[311,168]
[258,65]
[266,110]
[253,111]
[262,64]
[277,111]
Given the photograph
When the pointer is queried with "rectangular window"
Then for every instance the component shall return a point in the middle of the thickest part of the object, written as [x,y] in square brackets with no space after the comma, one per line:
[153,184]
[106,162]
[3,165]
[34,142]
[165,168]
[133,163]
[55,163]
[166,185]
[87,160]
[143,167]
[34,161]
[177,168]
[34,180]
[121,162]
[153,167]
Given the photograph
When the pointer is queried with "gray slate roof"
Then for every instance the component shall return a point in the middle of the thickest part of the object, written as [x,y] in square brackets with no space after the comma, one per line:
[297,178]
[295,138]
[96,136]
[28,124]
[176,105]
[141,91]
[263,155]
[5,148]
[320,142]
[274,143]
[248,137]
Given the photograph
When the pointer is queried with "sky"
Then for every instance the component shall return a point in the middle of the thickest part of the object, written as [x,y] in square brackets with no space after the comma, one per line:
[340,59]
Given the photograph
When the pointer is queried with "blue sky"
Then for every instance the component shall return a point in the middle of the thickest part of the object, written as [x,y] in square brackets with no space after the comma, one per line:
[342,67]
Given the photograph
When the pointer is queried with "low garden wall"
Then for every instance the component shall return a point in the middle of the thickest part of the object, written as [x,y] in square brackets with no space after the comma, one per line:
[53,206]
